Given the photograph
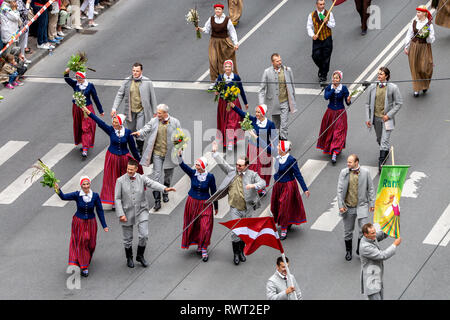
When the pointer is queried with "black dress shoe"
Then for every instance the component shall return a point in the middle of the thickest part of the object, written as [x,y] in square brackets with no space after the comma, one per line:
[205,257]
[129,255]
[425,91]
[241,251]
[348,249]
[364,32]
[348,255]
[140,256]
[236,259]
[157,196]
[85,273]
[416,94]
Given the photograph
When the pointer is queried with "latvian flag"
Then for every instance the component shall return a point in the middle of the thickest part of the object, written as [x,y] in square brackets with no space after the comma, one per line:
[255,232]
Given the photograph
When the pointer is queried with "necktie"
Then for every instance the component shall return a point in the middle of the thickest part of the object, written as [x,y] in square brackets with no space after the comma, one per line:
[381,85]
[132,178]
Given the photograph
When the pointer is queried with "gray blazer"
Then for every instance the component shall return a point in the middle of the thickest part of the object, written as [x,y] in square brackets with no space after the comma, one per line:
[250,177]
[276,288]
[151,128]
[392,104]
[366,191]
[372,258]
[129,197]
[148,98]
[269,90]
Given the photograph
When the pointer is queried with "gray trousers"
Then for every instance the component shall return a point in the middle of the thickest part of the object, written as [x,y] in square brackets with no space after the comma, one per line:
[376,296]
[383,136]
[237,214]
[127,231]
[136,123]
[281,120]
[158,165]
[349,218]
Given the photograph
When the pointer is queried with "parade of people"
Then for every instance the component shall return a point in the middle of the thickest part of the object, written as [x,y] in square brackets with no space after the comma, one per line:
[175,176]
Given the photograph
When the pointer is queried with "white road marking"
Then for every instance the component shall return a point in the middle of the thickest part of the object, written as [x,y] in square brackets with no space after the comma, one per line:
[410,187]
[310,171]
[9,149]
[328,220]
[22,183]
[439,230]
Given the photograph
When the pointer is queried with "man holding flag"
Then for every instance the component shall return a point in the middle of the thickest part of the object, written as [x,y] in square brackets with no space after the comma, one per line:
[277,287]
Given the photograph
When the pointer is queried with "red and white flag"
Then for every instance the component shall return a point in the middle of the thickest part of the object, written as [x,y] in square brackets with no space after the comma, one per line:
[338,2]
[255,232]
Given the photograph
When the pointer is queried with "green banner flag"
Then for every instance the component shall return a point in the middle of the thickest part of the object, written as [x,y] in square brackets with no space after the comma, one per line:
[387,210]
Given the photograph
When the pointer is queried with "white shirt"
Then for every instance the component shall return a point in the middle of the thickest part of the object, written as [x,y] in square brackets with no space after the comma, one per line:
[338,89]
[282,159]
[228,78]
[310,25]
[120,133]
[261,124]
[201,176]
[419,25]
[86,197]
[83,85]
[231,30]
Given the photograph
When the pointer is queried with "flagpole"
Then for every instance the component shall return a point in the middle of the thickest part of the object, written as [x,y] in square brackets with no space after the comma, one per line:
[328,14]
[290,281]
[392,152]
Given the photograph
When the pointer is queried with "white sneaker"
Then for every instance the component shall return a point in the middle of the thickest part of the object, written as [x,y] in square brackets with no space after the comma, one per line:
[67,27]
[43,46]
[26,61]
[78,28]
[61,34]
[50,46]
[99,6]
[95,13]
[93,24]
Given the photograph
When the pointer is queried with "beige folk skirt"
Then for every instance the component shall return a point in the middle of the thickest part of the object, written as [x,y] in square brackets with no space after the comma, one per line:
[421,64]
[220,50]
[443,14]
[235,10]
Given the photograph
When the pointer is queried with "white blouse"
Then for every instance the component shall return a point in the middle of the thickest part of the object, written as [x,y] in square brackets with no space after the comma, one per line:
[419,25]
[231,30]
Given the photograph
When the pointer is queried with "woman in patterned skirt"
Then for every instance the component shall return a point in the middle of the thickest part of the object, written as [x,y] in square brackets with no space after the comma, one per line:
[116,159]
[198,215]
[84,225]
[83,128]
[333,129]
[227,121]
[286,203]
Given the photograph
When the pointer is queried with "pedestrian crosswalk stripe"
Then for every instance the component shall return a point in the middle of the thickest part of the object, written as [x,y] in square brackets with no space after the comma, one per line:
[328,220]
[310,171]
[19,186]
[9,149]
[440,229]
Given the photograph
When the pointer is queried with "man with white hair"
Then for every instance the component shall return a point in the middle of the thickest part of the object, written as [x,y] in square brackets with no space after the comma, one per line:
[159,149]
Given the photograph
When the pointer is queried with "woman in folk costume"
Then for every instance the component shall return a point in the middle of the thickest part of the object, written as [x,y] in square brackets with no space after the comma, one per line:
[286,203]
[443,12]
[259,156]
[84,225]
[116,159]
[83,128]
[221,47]
[198,218]
[333,129]
[418,42]
[228,122]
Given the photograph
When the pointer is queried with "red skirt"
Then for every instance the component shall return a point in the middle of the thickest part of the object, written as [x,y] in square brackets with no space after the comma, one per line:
[260,162]
[83,128]
[286,204]
[228,123]
[82,242]
[115,167]
[333,140]
[199,232]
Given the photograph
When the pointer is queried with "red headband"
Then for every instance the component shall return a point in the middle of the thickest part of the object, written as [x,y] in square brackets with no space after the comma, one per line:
[283,148]
[261,109]
[201,164]
[81,75]
[82,180]
[120,120]
[429,16]
[219,5]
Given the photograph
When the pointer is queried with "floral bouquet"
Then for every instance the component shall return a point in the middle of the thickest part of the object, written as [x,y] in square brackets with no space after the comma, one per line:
[424,32]
[230,94]
[80,100]
[356,91]
[218,87]
[193,17]
[77,62]
[246,124]
[48,176]
[180,140]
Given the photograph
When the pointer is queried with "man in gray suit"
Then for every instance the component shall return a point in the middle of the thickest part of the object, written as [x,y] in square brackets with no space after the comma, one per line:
[372,258]
[383,102]
[159,149]
[277,286]
[277,91]
[131,208]
[356,198]
[140,101]
[241,185]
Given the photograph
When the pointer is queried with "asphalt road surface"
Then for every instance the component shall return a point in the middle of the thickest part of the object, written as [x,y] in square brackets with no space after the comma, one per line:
[36,118]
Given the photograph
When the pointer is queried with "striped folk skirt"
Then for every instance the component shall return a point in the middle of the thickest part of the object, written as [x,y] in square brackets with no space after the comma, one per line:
[199,232]
[115,167]
[421,64]
[219,50]
[83,128]
[260,162]
[228,123]
[286,204]
[333,139]
[82,242]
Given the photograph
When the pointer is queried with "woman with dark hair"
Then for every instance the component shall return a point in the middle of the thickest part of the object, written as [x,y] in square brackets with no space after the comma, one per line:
[333,129]
[84,225]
